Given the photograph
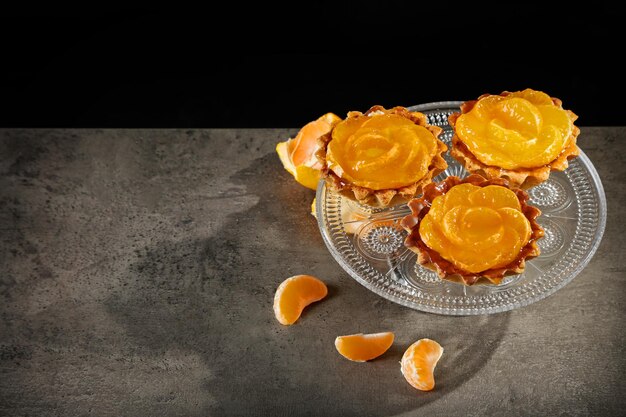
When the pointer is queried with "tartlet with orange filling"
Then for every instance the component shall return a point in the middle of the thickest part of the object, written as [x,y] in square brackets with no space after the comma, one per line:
[473,230]
[521,136]
[381,157]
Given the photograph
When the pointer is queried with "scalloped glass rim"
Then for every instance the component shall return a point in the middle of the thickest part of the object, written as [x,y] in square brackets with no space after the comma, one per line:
[544,275]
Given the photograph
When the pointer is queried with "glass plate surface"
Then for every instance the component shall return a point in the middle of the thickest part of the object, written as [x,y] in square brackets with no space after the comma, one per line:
[369,243]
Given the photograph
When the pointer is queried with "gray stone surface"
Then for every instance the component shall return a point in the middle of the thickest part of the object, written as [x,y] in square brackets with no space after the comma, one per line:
[138,268]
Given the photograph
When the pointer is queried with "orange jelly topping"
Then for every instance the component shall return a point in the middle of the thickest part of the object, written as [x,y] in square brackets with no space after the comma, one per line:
[380,151]
[524,129]
[476,228]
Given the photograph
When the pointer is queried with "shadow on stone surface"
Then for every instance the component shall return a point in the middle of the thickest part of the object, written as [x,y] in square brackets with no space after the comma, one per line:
[213,297]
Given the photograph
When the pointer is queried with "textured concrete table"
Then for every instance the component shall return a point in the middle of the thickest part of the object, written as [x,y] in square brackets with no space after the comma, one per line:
[138,268]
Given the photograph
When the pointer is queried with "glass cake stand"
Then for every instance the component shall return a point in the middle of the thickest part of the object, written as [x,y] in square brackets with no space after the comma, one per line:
[368,242]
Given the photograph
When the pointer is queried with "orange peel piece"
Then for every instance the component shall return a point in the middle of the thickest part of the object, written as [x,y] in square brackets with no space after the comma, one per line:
[418,364]
[294,294]
[313,211]
[364,347]
[298,154]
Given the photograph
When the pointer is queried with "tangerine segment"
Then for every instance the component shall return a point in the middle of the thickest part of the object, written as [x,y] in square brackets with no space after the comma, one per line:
[418,363]
[298,154]
[294,294]
[364,347]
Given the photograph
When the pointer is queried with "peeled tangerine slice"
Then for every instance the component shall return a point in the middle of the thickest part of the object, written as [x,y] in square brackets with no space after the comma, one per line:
[418,363]
[294,294]
[364,347]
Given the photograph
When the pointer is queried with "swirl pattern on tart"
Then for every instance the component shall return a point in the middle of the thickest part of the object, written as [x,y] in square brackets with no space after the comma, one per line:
[381,156]
[473,229]
[521,136]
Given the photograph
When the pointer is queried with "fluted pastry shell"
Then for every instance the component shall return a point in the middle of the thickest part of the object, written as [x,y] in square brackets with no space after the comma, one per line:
[524,178]
[445,269]
[386,197]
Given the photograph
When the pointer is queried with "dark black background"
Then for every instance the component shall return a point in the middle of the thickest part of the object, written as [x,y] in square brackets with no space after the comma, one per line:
[252,67]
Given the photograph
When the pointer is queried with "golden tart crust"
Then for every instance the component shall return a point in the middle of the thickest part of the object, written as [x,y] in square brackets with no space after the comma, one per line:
[524,178]
[446,269]
[389,196]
